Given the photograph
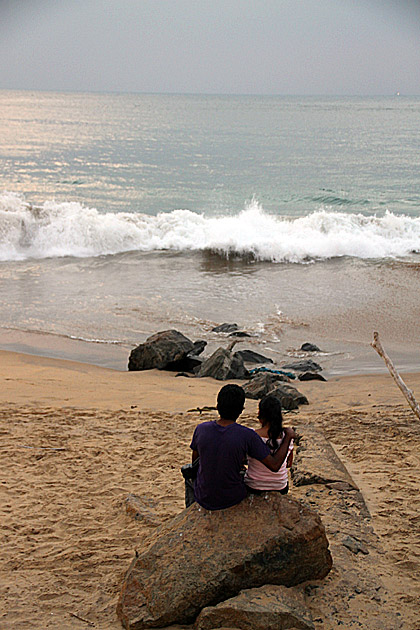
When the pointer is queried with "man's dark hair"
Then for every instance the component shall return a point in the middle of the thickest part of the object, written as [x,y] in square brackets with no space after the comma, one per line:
[230,402]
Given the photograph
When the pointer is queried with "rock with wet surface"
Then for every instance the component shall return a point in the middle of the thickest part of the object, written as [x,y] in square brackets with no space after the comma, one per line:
[160,350]
[306,365]
[309,347]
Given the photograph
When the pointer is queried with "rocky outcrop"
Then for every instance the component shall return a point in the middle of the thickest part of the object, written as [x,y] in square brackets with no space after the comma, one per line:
[200,558]
[266,608]
[261,384]
[222,365]
[306,365]
[168,349]
[289,396]
[249,356]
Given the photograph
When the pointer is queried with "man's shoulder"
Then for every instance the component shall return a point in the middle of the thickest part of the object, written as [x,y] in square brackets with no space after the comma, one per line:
[247,432]
[205,425]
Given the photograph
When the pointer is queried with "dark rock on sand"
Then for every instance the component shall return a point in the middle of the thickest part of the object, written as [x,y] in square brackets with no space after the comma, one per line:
[186,364]
[200,558]
[262,384]
[355,545]
[289,396]
[311,376]
[159,350]
[198,348]
[309,347]
[306,365]
[249,356]
[223,364]
[266,608]
[225,328]
[240,333]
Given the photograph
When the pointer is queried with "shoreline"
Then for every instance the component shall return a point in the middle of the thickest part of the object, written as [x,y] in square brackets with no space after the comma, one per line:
[354,359]
[42,380]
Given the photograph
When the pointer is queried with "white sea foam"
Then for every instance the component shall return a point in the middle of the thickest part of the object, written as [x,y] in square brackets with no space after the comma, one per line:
[70,229]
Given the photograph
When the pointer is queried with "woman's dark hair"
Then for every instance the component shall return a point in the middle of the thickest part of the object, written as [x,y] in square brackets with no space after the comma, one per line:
[270,414]
[230,402]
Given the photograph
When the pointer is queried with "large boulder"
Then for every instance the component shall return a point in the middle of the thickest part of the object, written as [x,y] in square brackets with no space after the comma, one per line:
[161,350]
[200,558]
[266,608]
[222,365]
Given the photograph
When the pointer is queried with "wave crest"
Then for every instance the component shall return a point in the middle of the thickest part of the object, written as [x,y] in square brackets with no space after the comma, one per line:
[71,229]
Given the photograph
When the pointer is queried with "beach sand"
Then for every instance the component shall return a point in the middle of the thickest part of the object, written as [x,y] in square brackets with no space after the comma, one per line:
[76,440]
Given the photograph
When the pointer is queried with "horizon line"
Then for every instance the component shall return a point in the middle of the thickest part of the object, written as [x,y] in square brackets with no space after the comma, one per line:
[397,93]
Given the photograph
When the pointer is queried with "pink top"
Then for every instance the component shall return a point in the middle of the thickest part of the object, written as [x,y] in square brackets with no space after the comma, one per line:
[259,477]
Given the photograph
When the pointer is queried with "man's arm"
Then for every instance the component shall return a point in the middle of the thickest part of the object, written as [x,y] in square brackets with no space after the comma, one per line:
[274,462]
[194,456]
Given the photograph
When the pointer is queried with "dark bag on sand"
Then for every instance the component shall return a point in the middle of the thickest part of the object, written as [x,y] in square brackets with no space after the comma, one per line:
[189,471]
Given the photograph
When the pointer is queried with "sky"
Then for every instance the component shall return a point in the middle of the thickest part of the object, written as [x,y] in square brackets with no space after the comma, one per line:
[286,47]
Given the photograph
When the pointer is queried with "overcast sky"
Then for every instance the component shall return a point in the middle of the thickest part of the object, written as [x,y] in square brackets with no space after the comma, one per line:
[212,46]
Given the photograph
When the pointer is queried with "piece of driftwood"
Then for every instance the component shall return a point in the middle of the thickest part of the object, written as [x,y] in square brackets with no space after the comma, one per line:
[376,345]
[43,448]
[90,623]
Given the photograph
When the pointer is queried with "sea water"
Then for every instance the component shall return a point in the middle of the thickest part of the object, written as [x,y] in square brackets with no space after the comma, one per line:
[296,218]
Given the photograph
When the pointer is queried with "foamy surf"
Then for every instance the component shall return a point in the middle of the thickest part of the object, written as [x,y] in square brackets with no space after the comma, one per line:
[70,229]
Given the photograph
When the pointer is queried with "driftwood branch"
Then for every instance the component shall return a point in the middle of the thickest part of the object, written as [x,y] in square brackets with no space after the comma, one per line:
[90,623]
[376,345]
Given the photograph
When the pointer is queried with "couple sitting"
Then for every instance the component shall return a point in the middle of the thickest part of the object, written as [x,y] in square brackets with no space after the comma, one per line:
[223,447]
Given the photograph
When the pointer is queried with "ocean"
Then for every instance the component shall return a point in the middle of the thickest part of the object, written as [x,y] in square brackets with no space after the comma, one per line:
[298,218]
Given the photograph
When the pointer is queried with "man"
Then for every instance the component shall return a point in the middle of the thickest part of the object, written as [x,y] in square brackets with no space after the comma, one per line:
[223,446]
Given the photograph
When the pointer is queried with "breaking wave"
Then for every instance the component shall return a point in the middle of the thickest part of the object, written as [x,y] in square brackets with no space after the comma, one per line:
[71,229]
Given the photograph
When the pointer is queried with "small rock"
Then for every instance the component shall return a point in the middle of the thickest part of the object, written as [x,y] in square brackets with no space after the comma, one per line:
[198,348]
[355,545]
[139,508]
[311,376]
[225,328]
[306,365]
[249,356]
[240,333]
[309,347]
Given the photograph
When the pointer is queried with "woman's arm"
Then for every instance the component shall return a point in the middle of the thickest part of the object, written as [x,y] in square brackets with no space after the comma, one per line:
[275,462]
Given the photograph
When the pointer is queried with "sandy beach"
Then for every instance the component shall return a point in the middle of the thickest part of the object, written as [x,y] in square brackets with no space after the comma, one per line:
[76,439]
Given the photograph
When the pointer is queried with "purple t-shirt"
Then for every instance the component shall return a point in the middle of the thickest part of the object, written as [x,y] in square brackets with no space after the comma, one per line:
[222,452]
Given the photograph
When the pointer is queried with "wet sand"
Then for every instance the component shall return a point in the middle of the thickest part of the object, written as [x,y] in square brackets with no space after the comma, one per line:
[76,439]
